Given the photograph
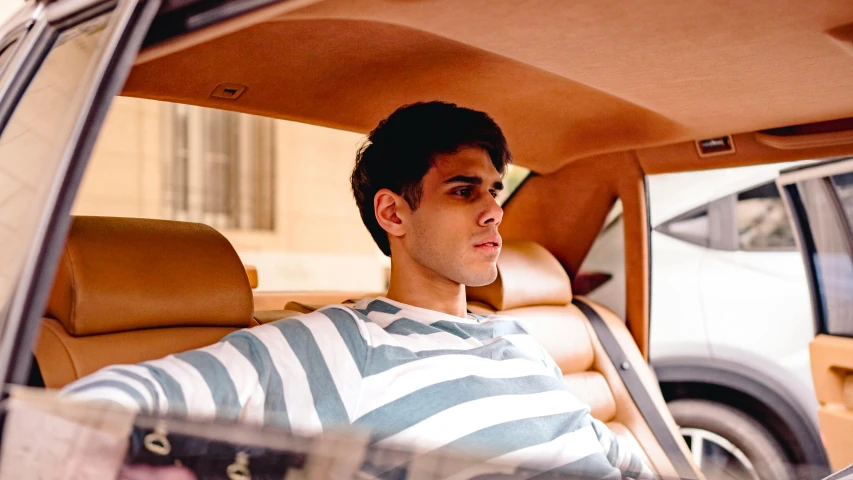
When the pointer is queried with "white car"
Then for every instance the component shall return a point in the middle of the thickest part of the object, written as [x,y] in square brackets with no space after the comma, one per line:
[731,314]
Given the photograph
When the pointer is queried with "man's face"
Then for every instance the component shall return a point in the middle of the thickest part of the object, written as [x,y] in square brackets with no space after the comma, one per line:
[454,230]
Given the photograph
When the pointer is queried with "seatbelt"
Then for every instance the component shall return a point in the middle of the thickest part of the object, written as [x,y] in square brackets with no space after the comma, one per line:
[638,391]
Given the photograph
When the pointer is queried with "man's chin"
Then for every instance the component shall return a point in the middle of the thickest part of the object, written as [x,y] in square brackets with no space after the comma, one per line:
[481,279]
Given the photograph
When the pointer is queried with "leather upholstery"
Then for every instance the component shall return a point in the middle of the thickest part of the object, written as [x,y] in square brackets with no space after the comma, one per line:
[527,275]
[64,358]
[279,300]
[252,273]
[593,388]
[269,316]
[832,373]
[120,274]
[129,290]
[569,338]
[567,342]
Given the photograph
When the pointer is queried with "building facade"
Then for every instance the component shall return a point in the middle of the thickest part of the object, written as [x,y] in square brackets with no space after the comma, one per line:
[278,190]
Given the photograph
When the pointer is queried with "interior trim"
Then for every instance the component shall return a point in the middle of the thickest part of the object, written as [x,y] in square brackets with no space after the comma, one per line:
[812,140]
[161,47]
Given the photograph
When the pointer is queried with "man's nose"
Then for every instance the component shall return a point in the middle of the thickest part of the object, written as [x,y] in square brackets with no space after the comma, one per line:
[493,214]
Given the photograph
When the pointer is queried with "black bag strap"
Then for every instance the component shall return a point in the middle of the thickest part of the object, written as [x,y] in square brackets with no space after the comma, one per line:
[638,391]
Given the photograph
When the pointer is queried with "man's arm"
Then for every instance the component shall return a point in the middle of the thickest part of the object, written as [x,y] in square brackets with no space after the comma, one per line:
[620,454]
[310,364]
[218,381]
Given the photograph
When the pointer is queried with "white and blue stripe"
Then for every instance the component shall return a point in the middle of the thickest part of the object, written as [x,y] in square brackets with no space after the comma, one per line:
[411,377]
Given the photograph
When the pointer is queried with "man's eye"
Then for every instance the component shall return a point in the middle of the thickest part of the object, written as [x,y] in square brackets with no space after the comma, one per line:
[494,193]
[463,192]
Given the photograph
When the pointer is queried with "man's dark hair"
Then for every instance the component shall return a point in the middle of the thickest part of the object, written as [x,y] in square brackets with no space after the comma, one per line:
[401,149]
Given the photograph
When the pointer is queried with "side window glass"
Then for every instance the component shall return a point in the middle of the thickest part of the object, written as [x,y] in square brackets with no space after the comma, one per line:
[10,44]
[28,144]
[693,226]
[246,176]
[843,185]
[515,176]
[836,261]
[762,223]
[601,277]
[6,51]
[220,168]
[831,256]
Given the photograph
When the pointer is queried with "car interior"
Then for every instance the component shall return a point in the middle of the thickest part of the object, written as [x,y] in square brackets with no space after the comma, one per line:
[187,289]
[588,112]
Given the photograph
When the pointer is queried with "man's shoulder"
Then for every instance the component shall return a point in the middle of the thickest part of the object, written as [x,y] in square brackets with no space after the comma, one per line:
[314,314]
[306,315]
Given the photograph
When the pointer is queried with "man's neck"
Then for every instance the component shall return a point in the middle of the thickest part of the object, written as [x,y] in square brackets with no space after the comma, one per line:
[414,285]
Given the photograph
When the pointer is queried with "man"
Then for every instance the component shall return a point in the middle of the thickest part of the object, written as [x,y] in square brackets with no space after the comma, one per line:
[413,369]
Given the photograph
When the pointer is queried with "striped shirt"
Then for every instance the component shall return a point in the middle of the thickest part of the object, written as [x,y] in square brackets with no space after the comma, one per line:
[410,377]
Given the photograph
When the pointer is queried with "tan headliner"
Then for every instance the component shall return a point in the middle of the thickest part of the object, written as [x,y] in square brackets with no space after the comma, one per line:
[566,80]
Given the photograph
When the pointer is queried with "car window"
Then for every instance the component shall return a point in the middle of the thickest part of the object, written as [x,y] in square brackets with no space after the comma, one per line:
[278,190]
[219,169]
[843,185]
[514,177]
[6,51]
[828,235]
[762,223]
[693,226]
[752,219]
[30,142]
[601,276]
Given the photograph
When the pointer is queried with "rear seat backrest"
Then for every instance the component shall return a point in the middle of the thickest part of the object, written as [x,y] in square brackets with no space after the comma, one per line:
[533,287]
[129,290]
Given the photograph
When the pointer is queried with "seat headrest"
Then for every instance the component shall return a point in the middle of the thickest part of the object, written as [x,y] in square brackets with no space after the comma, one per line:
[528,275]
[120,274]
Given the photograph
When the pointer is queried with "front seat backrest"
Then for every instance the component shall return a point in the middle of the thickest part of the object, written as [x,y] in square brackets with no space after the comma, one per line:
[533,287]
[129,290]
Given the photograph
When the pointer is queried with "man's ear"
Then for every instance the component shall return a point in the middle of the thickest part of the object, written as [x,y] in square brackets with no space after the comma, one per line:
[392,212]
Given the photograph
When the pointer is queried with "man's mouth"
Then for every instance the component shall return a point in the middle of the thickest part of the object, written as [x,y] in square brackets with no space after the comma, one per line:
[491,244]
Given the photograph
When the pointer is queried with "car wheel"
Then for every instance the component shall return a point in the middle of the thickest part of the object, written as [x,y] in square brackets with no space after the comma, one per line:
[727,444]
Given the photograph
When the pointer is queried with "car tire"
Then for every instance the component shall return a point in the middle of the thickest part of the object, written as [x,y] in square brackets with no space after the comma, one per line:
[763,452]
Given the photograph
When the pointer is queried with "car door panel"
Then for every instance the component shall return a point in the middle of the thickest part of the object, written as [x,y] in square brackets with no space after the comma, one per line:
[832,371]
[819,199]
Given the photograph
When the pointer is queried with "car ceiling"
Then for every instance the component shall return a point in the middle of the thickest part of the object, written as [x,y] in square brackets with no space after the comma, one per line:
[566,80]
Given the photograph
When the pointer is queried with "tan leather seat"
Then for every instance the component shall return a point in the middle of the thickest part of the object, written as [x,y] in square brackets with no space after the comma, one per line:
[129,290]
[533,287]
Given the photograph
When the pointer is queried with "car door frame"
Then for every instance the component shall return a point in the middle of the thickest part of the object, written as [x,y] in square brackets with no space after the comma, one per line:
[828,388]
[805,242]
[127,29]
[148,22]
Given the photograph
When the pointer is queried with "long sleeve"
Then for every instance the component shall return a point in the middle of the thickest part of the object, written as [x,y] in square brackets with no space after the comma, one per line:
[620,454]
[309,364]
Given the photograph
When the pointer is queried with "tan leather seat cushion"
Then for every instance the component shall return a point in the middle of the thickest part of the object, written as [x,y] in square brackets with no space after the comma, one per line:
[129,290]
[592,388]
[123,274]
[535,278]
[63,358]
